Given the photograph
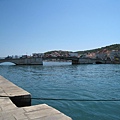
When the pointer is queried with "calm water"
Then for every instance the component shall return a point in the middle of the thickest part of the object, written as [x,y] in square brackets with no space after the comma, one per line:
[63,80]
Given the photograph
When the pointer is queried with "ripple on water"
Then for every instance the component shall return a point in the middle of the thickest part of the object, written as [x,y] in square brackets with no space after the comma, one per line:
[63,80]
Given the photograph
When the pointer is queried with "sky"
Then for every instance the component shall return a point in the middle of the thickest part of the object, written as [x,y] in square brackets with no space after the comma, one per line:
[38,26]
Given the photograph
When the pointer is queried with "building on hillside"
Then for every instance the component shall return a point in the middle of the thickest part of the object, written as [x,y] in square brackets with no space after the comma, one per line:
[101,55]
[91,55]
[38,54]
[72,54]
[114,55]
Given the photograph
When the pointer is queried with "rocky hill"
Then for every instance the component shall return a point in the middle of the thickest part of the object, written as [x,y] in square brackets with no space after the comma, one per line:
[108,48]
[110,53]
[115,47]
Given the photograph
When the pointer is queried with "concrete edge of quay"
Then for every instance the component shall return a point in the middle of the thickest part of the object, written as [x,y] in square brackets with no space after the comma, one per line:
[15,104]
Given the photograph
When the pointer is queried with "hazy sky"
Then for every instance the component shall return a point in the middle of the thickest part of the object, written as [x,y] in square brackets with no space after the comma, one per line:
[28,26]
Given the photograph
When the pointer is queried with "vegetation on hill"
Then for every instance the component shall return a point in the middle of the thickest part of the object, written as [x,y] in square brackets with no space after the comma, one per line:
[60,51]
[109,48]
[56,53]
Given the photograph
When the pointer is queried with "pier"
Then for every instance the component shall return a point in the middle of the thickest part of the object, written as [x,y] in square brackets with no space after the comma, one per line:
[15,105]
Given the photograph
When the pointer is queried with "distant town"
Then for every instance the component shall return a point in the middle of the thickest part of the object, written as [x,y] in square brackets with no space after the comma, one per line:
[111,53]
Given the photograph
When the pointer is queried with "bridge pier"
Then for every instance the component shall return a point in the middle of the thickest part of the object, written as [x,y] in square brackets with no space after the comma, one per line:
[75,62]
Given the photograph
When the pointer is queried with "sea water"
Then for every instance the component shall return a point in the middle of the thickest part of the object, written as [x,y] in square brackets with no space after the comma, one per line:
[62,80]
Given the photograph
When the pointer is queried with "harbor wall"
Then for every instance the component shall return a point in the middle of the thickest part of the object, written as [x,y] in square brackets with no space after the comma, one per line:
[18,96]
[15,105]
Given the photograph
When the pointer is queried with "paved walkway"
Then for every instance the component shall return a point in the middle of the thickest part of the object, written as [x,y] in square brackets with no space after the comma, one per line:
[9,111]
[37,112]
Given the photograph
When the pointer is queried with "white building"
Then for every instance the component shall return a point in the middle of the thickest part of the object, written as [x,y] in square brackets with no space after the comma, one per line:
[72,54]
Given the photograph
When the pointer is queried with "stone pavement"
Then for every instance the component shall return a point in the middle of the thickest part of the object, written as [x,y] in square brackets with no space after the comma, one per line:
[9,111]
[37,112]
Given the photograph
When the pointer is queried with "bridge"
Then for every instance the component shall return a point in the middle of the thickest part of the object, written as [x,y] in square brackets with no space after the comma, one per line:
[24,61]
[77,60]
[39,60]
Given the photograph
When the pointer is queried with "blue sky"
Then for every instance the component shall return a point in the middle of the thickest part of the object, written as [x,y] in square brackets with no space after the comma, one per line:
[29,26]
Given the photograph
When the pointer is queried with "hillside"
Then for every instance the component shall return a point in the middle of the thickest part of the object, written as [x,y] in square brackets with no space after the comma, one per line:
[109,48]
[65,53]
